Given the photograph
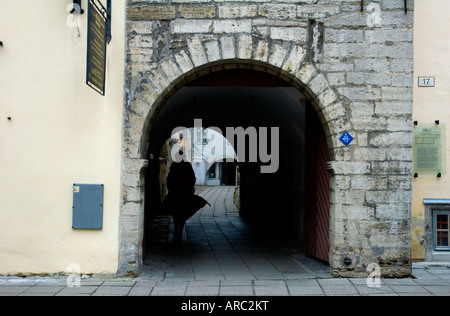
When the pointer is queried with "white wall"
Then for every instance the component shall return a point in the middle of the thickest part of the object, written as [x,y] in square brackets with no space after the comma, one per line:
[200,171]
[61,132]
[217,149]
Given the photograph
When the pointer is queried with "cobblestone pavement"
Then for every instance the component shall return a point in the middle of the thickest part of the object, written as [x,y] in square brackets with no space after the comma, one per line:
[221,255]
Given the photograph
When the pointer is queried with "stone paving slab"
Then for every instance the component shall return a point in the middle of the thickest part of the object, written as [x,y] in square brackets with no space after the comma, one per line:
[306,290]
[236,290]
[339,290]
[203,291]
[382,290]
[78,291]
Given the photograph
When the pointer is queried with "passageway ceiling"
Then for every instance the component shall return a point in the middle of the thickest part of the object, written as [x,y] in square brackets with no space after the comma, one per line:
[223,107]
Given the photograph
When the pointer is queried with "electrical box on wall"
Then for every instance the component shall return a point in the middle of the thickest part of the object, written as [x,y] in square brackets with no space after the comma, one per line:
[88,206]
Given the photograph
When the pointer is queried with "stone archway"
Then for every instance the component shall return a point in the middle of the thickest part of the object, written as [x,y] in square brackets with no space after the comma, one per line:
[291,65]
[330,54]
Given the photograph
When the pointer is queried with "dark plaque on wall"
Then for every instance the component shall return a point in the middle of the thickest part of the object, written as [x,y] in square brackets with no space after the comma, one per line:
[96,48]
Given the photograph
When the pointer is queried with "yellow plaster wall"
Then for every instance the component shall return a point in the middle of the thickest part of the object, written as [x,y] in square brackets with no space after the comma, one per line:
[432,47]
[61,132]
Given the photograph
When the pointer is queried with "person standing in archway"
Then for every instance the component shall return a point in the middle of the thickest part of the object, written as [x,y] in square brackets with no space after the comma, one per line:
[181,186]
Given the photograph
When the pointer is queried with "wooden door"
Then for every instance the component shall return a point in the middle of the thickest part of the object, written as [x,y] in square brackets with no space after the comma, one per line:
[317,189]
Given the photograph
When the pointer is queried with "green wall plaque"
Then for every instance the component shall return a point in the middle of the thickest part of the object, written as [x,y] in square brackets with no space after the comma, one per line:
[429,149]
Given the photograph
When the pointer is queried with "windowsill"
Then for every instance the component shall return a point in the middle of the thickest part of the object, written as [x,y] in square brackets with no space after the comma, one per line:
[440,256]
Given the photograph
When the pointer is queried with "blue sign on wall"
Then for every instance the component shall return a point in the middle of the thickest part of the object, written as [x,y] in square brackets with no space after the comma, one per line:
[346,139]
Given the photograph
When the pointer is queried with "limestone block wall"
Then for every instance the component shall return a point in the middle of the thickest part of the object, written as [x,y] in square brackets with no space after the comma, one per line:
[356,68]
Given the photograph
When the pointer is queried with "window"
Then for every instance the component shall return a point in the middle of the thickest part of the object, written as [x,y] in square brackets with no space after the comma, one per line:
[441,230]
[436,238]
[202,136]
[212,172]
[199,136]
[205,137]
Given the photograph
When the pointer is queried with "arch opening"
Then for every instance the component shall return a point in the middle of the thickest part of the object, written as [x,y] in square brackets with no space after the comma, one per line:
[291,202]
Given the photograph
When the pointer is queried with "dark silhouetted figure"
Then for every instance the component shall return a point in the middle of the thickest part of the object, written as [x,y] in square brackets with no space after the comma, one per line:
[181,202]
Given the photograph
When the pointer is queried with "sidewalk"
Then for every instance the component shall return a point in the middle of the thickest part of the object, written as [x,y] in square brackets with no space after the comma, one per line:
[433,281]
[223,256]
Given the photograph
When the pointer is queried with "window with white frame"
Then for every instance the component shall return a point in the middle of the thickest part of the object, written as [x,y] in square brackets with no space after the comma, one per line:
[205,137]
[199,135]
[202,136]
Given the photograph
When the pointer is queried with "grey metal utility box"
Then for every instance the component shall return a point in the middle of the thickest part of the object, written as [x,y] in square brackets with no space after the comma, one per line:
[87,206]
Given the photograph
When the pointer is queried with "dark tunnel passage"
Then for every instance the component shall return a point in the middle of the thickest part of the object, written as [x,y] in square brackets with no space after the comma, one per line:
[291,202]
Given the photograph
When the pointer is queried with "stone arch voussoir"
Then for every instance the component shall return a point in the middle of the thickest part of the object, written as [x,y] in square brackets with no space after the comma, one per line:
[288,62]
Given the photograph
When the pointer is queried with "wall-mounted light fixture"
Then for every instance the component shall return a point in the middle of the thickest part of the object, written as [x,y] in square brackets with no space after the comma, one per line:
[77,7]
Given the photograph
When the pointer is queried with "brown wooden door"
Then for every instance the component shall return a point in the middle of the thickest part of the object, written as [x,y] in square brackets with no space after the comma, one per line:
[317,189]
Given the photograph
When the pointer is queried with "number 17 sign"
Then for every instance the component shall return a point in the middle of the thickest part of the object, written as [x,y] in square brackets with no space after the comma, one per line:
[426,82]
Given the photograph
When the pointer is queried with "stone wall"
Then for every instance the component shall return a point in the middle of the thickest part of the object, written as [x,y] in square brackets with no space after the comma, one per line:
[356,70]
